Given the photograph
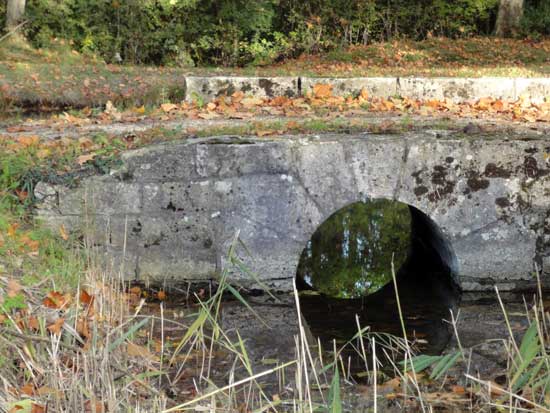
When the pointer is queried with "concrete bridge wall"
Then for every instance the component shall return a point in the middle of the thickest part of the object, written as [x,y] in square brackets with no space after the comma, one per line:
[172,210]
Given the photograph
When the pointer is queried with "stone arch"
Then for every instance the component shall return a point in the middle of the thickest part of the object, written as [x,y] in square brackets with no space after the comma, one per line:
[428,241]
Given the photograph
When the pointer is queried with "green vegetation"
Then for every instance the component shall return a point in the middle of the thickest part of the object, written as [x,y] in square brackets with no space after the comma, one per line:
[235,32]
[350,255]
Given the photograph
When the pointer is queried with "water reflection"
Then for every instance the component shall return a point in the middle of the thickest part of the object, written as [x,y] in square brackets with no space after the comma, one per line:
[350,257]
[350,254]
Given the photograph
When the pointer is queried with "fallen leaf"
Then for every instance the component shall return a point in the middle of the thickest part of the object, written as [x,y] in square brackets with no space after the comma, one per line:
[168,107]
[21,195]
[43,153]
[33,323]
[55,328]
[82,328]
[85,298]
[161,295]
[82,159]
[12,229]
[322,90]
[85,143]
[94,407]
[63,232]
[140,351]
[56,300]
[38,408]
[265,132]
[135,290]
[27,389]
[13,288]
[28,140]
[252,101]
[208,115]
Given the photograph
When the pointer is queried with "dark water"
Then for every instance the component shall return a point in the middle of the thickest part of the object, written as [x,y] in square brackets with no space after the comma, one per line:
[346,270]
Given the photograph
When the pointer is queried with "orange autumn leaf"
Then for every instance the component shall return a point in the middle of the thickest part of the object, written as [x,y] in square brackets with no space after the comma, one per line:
[56,300]
[433,104]
[27,389]
[265,132]
[12,229]
[135,350]
[55,328]
[85,143]
[63,232]
[135,290]
[498,105]
[31,244]
[33,323]
[21,195]
[27,141]
[82,159]
[82,328]
[38,408]
[13,288]
[86,298]
[168,107]
[322,90]
[161,295]
[94,407]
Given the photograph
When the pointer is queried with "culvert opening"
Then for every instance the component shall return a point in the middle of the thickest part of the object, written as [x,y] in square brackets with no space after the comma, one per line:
[345,271]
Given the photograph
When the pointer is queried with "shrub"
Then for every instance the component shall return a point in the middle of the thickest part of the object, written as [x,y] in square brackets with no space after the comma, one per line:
[536,18]
[237,32]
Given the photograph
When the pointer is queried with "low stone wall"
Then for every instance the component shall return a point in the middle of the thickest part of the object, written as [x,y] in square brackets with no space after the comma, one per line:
[454,89]
[171,212]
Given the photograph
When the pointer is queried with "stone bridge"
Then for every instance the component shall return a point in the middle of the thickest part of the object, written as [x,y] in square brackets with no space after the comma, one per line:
[170,213]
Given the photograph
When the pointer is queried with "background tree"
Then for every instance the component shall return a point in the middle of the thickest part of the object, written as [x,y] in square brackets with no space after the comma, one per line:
[509,17]
[14,12]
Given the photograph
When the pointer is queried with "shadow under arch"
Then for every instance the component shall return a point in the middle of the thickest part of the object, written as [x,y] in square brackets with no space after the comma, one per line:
[427,289]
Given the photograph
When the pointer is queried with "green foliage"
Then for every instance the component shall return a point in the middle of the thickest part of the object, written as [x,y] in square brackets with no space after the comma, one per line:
[334,399]
[16,302]
[441,364]
[536,18]
[236,32]
[350,254]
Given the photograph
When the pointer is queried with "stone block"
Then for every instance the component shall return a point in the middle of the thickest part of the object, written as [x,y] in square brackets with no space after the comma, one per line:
[209,88]
[535,89]
[456,89]
[375,86]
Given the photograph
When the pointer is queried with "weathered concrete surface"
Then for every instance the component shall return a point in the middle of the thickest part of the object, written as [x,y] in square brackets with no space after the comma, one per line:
[173,209]
[457,89]
[209,88]
[536,89]
[454,89]
[375,86]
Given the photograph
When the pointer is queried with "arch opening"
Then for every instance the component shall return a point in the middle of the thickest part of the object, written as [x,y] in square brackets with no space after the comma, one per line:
[346,270]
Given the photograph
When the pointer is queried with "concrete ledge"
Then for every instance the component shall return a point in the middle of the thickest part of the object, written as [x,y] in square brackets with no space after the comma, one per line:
[375,86]
[209,88]
[536,89]
[456,90]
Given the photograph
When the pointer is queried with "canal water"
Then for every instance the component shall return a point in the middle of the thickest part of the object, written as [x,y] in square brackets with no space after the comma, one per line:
[345,276]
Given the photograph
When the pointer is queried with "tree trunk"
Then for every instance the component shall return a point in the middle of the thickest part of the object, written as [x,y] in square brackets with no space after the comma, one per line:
[14,12]
[509,17]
